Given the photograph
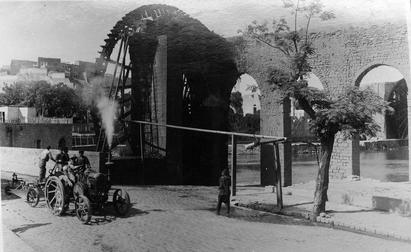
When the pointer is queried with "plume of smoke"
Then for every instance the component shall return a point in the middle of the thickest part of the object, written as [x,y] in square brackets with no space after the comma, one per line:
[107,109]
[94,94]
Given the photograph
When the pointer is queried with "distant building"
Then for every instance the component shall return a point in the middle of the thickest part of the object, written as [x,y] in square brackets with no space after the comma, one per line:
[20,127]
[15,114]
[251,103]
[89,68]
[32,74]
[71,71]
[51,70]
[52,64]
[42,74]
[58,77]
[17,65]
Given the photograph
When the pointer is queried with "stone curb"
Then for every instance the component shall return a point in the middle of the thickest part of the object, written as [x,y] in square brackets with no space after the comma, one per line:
[329,222]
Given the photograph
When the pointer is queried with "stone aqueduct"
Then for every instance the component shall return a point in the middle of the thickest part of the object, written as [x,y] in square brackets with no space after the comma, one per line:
[342,58]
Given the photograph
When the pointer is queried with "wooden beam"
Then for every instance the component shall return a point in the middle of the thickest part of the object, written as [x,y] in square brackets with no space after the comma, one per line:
[233,165]
[278,175]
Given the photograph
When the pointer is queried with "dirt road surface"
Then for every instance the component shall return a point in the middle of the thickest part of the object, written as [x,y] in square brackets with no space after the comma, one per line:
[167,218]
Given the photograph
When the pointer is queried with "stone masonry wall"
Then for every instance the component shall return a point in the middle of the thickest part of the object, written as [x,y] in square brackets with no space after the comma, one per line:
[342,59]
[160,91]
[26,135]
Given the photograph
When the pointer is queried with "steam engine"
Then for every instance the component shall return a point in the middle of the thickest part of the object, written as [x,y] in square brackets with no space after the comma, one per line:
[95,186]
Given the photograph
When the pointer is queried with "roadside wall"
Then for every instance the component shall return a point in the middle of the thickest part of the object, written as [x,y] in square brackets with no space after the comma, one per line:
[26,160]
[27,135]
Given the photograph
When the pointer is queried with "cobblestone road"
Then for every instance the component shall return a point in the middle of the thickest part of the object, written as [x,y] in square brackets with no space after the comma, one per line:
[178,219]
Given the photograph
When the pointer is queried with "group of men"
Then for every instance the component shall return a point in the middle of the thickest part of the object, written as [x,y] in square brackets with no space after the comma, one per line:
[62,160]
[66,164]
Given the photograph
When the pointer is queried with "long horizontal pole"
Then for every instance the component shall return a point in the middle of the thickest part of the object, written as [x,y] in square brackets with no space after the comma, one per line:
[275,138]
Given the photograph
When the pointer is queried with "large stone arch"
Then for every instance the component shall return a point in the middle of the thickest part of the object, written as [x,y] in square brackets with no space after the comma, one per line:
[342,57]
[366,69]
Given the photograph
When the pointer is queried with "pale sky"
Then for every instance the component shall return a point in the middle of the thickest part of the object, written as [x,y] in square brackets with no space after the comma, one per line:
[74,30]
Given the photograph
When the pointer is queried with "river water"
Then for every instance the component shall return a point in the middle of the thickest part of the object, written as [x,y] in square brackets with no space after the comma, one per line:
[384,166]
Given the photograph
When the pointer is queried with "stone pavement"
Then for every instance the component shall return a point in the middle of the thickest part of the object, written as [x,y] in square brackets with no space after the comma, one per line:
[350,205]
[178,218]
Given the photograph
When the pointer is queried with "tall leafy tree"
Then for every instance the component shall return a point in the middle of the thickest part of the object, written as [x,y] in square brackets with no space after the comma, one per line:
[49,100]
[350,113]
[13,94]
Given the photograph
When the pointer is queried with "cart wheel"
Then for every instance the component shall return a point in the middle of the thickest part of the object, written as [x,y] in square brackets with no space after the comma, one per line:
[83,209]
[33,197]
[55,195]
[121,202]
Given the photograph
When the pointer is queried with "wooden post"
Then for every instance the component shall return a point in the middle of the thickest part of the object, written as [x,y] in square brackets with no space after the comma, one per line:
[142,150]
[233,165]
[278,175]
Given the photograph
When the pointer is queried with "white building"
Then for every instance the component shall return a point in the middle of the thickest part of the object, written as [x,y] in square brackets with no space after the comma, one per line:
[38,74]
[17,114]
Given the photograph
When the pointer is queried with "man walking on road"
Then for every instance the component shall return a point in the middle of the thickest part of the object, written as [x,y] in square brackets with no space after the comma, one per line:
[45,156]
[224,191]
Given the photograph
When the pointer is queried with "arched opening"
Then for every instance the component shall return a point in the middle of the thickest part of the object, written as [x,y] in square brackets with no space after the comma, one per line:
[244,116]
[299,120]
[304,156]
[385,156]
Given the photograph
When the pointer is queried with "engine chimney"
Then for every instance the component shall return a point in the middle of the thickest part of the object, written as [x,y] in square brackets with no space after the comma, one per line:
[109,164]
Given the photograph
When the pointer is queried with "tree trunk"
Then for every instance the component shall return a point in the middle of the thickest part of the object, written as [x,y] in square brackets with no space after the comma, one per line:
[320,195]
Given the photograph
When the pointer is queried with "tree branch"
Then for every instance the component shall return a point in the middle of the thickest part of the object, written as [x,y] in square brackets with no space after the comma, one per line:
[305,105]
[269,44]
[306,28]
[295,15]
[295,43]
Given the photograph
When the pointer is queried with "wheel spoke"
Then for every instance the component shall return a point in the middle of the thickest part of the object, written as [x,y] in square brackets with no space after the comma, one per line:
[54,197]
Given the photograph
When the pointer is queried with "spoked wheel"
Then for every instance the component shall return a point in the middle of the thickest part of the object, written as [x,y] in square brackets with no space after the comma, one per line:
[121,202]
[55,196]
[83,209]
[33,197]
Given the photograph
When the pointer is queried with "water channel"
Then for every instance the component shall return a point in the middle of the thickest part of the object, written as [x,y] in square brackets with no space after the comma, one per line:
[384,166]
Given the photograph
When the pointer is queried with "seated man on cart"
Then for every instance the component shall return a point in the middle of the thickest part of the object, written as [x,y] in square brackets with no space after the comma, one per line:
[64,165]
[80,165]
[82,162]
[62,159]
